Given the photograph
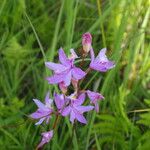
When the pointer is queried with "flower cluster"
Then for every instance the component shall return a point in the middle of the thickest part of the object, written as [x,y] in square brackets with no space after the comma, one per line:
[65,74]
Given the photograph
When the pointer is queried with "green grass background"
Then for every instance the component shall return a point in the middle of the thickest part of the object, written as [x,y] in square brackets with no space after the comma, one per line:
[31,32]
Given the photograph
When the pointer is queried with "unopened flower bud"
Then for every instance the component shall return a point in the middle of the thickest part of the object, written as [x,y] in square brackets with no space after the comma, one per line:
[46,137]
[75,84]
[86,42]
[63,87]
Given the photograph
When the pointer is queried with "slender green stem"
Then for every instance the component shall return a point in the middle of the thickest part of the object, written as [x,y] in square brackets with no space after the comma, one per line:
[101,23]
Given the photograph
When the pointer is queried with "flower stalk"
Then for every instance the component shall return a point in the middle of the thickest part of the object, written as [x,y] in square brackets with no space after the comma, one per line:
[66,74]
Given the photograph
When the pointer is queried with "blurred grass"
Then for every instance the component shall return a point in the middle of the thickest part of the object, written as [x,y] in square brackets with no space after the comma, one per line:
[32,32]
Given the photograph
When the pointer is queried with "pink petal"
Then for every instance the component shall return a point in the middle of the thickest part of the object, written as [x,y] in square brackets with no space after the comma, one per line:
[73,54]
[63,58]
[48,101]
[83,109]
[56,78]
[97,107]
[72,116]
[40,114]
[92,54]
[58,68]
[80,117]
[66,111]
[99,67]
[78,73]
[41,144]
[46,137]
[40,121]
[94,95]
[79,100]
[59,100]
[102,55]
[67,79]
[39,104]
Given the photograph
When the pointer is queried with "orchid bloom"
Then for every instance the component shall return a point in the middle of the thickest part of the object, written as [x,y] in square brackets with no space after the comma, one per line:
[66,71]
[44,111]
[46,137]
[94,97]
[101,62]
[75,108]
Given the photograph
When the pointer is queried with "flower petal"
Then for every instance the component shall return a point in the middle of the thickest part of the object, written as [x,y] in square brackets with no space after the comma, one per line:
[39,104]
[67,78]
[35,115]
[92,54]
[102,55]
[94,95]
[40,114]
[48,101]
[59,100]
[63,58]
[40,121]
[58,68]
[101,62]
[46,137]
[73,54]
[97,107]
[66,111]
[79,100]
[80,117]
[78,73]
[72,116]
[110,65]
[98,66]
[83,109]
[56,78]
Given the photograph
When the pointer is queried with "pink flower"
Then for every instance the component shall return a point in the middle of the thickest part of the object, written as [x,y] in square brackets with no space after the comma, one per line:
[95,97]
[66,71]
[75,109]
[46,137]
[101,62]
[44,111]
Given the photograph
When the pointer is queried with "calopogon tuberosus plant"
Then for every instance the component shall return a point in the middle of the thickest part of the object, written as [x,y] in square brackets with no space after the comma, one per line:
[66,74]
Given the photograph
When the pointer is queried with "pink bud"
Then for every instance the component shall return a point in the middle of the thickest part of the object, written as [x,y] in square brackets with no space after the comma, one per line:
[63,87]
[75,83]
[86,42]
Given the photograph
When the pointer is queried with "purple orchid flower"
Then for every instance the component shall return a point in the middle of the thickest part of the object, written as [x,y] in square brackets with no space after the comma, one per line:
[44,111]
[75,108]
[46,137]
[100,63]
[95,97]
[64,72]
[86,42]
